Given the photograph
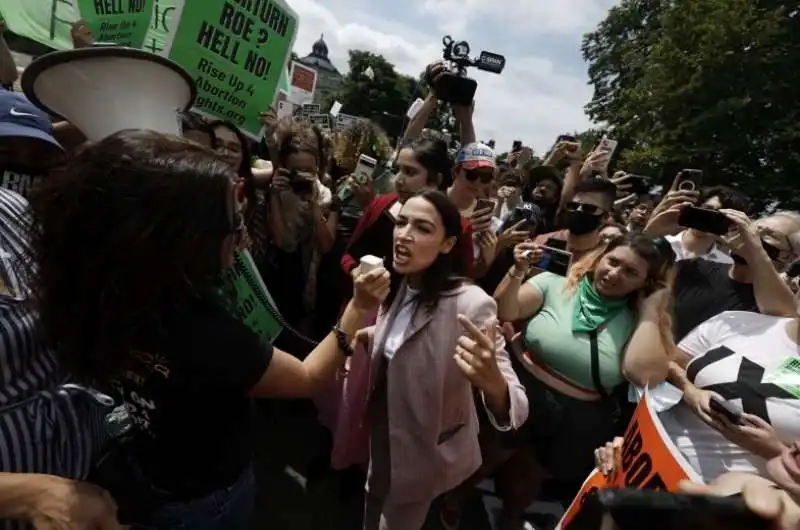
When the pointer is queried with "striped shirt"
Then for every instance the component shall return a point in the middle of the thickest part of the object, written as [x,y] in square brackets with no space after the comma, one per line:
[47,425]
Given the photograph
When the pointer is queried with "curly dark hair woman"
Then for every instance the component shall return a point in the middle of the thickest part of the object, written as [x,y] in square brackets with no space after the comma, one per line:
[130,239]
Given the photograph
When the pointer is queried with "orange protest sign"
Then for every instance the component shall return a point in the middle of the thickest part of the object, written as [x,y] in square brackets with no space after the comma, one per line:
[648,460]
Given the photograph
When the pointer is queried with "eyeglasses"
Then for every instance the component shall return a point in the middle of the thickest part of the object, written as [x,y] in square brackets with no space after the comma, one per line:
[474,174]
[584,207]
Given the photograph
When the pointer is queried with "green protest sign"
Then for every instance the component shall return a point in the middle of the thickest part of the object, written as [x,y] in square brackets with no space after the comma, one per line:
[47,22]
[236,52]
[123,22]
[166,14]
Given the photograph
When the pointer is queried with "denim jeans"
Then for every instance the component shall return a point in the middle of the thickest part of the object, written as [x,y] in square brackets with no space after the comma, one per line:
[226,509]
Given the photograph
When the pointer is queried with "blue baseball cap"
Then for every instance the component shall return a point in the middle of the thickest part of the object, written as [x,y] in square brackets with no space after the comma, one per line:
[21,118]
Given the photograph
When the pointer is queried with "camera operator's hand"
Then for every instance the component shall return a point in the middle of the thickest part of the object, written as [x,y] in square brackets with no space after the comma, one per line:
[433,72]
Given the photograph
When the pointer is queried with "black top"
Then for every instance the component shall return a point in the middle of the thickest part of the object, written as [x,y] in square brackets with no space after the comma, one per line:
[186,390]
[703,290]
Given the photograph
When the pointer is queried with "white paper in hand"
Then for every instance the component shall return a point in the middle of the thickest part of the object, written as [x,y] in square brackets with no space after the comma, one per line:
[336,108]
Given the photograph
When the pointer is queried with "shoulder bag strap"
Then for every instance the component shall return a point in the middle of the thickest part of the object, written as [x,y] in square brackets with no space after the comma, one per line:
[596,365]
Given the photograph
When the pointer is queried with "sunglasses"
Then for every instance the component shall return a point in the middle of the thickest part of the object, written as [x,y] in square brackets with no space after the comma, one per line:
[584,207]
[474,174]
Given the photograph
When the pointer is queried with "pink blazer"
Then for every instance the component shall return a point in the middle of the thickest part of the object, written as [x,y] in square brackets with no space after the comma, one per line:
[433,425]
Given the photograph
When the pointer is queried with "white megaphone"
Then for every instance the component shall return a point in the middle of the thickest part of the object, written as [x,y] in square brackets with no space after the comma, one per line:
[104,89]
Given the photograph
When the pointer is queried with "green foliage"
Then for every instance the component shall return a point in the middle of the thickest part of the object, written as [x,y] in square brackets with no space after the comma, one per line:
[709,84]
[387,92]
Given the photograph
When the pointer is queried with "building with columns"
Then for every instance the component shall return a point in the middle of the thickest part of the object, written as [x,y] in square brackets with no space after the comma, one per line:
[329,79]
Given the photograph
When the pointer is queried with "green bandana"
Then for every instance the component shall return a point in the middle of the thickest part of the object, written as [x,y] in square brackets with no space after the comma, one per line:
[592,310]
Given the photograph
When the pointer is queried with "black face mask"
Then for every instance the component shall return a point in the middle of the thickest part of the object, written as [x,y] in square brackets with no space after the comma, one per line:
[581,223]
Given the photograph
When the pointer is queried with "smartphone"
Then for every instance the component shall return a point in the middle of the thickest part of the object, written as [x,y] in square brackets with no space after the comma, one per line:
[705,220]
[484,204]
[690,179]
[555,261]
[516,146]
[364,169]
[558,244]
[608,145]
[631,509]
[369,263]
[727,410]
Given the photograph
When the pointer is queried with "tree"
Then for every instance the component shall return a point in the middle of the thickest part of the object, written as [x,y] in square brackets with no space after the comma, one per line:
[703,83]
[385,97]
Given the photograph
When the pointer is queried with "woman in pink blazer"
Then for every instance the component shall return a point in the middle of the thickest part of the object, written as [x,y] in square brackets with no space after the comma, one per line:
[435,340]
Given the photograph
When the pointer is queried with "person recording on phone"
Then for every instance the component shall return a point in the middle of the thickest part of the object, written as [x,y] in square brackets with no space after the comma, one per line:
[297,228]
[585,336]
[740,408]
[693,242]
[760,250]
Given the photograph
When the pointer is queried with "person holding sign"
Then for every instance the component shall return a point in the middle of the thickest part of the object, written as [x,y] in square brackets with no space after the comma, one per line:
[585,336]
[158,219]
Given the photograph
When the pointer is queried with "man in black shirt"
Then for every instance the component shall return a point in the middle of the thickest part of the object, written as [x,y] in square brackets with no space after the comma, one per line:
[704,289]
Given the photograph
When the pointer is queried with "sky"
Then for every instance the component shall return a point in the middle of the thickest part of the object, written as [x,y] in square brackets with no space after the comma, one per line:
[539,95]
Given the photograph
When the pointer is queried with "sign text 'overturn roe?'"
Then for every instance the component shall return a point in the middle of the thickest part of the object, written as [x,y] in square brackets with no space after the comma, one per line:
[239,48]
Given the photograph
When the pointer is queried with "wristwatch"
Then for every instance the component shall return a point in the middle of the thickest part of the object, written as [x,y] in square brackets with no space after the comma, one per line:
[342,341]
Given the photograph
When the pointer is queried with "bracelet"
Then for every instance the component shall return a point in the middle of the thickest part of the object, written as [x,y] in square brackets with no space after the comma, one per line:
[516,274]
[342,341]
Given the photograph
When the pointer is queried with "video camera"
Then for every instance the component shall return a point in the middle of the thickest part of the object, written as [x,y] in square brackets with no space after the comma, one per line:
[454,86]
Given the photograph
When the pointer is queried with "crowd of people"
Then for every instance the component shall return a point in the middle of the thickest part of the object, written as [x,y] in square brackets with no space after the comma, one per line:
[500,338]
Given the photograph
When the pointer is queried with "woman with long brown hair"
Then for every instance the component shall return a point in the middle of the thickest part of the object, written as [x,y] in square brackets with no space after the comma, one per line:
[130,240]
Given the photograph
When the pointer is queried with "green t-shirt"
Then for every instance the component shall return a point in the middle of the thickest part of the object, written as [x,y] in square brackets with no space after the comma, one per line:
[549,336]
